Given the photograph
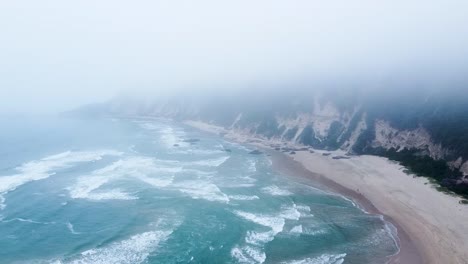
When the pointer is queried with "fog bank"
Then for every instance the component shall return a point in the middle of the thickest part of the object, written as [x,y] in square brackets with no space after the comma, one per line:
[57,55]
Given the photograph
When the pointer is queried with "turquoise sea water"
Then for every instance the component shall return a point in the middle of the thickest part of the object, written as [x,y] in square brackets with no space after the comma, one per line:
[119,191]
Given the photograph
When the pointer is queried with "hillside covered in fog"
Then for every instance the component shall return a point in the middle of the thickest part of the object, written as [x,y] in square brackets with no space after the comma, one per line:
[427,131]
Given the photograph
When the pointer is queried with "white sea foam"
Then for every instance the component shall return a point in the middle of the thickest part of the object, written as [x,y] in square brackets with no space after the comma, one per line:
[2,202]
[41,169]
[114,194]
[132,149]
[157,181]
[149,126]
[275,191]
[244,197]
[199,152]
[259,238]
[303,208]
[297,229]
[86,187]
[290,213]
[386,234]
[248,179]
[166,162]
[256,254]
[393,231]
[253,252]
[237,146]
[323,259]
[169,137]
[252,166]
[45,167]
[199,173]
[240,256]
[311,231]
[133,250]
[274,222]
[216,162]
[72,229]
[158,173]
[207,151]
[238,185]
[202,190]
[248,254]
[26,221]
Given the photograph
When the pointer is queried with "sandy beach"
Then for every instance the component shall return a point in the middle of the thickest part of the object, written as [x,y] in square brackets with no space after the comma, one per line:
[432,226]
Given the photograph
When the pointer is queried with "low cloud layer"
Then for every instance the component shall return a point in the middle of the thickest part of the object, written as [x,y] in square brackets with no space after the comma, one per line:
[56,54]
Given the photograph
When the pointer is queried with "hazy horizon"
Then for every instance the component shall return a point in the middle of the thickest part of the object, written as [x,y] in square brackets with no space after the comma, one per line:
[58,55]
[211,131]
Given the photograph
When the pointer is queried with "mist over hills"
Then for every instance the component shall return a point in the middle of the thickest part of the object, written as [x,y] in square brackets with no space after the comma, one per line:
[424,129]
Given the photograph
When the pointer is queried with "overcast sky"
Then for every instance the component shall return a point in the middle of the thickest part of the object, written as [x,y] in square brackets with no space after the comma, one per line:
[56,54]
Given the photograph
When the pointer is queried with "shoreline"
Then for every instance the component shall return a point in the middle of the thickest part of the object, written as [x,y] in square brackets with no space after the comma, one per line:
[407,252]
[431,226]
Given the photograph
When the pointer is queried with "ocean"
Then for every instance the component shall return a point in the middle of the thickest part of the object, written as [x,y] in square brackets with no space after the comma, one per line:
[155,191]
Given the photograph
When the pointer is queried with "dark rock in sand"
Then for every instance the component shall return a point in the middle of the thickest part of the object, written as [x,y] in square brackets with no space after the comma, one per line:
[326,154]
[176,145]
[340,157]
[454,183]
[255,152]
[292,152]
[311,151]
[277,149]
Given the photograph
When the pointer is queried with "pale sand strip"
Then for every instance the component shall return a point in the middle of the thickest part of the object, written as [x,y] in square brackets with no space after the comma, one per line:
[434,222]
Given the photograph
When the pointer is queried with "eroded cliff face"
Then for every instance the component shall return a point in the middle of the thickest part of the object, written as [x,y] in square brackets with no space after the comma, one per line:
[319,122]
[389,137]
[324,126]
[464,169]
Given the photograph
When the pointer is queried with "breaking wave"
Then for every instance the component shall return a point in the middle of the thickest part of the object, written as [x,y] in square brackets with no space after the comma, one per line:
[202,190]
[323,259]
[133,250]
[276,191]
[46,167]
[86,187]
[210,162]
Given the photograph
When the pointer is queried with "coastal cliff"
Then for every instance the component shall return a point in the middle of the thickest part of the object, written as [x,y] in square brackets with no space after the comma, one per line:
[425,132]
